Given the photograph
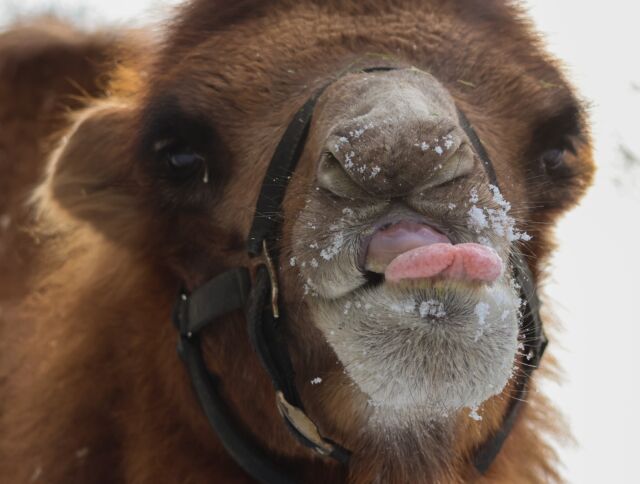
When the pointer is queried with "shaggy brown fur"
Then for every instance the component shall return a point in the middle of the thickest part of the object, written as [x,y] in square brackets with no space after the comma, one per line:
[92,390]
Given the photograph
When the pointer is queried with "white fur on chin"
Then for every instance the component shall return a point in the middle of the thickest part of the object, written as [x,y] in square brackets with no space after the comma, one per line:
[427,351]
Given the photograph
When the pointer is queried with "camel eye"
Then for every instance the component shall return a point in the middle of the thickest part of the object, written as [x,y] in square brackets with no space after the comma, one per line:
[553,162]
[182,161]
[554,142]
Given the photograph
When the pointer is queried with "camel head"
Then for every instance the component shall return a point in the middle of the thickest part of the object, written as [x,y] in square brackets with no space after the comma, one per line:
[396,284]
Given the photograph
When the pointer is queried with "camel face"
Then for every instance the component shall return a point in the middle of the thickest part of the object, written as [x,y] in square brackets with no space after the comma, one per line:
[396,245]
[380,247]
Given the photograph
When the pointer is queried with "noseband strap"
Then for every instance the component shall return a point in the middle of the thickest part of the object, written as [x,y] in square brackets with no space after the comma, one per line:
[233,291]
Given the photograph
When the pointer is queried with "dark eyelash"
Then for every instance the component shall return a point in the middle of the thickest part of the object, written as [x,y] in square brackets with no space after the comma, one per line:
[165,122]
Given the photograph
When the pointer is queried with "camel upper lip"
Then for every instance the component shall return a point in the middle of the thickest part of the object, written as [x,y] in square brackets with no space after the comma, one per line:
[403,219]
[391,241]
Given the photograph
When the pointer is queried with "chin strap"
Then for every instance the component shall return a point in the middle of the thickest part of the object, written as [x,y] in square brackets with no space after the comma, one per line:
[535,342]
[190,317]
[534,339]
[234,290]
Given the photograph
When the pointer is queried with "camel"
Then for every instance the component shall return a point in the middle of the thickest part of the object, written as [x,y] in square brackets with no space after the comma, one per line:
[427,144]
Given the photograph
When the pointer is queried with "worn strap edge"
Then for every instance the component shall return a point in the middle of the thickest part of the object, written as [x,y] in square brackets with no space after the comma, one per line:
[224,293]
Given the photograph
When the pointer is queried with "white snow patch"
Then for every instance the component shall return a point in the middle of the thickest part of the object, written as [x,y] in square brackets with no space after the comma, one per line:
[477,219]
[341,141]
[310,288]
[498,220]
[347,307]
[475,415]
[316,381]
[474,195]
[432,308]
[503,222]
[481,311]
[448,141]
[355,134]
[406,306]
[333,249]
[348,160]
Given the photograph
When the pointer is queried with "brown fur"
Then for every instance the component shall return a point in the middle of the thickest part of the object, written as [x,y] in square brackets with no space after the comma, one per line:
[92,390]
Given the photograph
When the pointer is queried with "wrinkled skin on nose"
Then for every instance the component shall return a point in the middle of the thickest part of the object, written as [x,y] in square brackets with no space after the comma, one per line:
[389,135]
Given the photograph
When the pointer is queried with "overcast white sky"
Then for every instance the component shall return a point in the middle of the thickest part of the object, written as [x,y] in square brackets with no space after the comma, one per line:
[594,285]
[595,276]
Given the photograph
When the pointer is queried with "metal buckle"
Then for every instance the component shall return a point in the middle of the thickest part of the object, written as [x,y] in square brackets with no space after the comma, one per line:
[302,424]
[266,260]
[180,310]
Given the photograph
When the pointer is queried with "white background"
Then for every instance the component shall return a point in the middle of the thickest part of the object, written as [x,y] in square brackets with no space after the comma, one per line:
[594,285]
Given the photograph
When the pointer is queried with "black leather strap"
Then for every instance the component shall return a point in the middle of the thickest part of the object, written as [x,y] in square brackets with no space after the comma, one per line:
[531,330]
[268,214]
[221,295]
[478,147]
[269,341]
[535,342]
[244,450]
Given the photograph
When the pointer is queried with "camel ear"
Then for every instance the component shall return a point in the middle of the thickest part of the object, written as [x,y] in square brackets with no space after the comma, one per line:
[92,176]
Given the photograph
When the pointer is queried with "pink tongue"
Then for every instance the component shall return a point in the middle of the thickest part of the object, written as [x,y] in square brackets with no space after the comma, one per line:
[408,250]
[468,262]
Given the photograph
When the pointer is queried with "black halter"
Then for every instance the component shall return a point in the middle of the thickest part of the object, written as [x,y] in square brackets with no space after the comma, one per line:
[233,290]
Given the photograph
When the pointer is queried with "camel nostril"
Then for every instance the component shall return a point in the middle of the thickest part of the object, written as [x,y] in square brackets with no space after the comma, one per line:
[327,170]
[458,164]
[332,176]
